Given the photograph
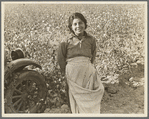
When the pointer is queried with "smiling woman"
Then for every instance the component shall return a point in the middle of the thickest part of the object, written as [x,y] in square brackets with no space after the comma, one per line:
[78,26]
[76,57]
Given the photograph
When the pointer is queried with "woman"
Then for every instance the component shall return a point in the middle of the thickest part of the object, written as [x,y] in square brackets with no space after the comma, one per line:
[75,57]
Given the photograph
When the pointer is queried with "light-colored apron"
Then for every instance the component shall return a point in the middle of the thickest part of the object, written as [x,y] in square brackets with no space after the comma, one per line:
[85,87]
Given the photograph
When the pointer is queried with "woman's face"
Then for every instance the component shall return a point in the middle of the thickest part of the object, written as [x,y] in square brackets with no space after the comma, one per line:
[78,26]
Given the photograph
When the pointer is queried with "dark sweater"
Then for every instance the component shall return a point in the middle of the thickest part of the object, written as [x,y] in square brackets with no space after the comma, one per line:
[73,47]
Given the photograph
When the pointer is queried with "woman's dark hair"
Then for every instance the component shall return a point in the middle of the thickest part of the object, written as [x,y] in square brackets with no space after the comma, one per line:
[76,15]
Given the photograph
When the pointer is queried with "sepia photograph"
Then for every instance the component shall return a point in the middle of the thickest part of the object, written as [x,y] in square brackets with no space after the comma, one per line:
[74,59]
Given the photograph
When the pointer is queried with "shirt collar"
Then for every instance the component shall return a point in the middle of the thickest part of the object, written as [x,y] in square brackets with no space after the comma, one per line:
[71,35]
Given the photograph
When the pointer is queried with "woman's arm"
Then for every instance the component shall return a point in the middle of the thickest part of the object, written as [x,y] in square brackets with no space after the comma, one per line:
[93,51]
[61,57]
